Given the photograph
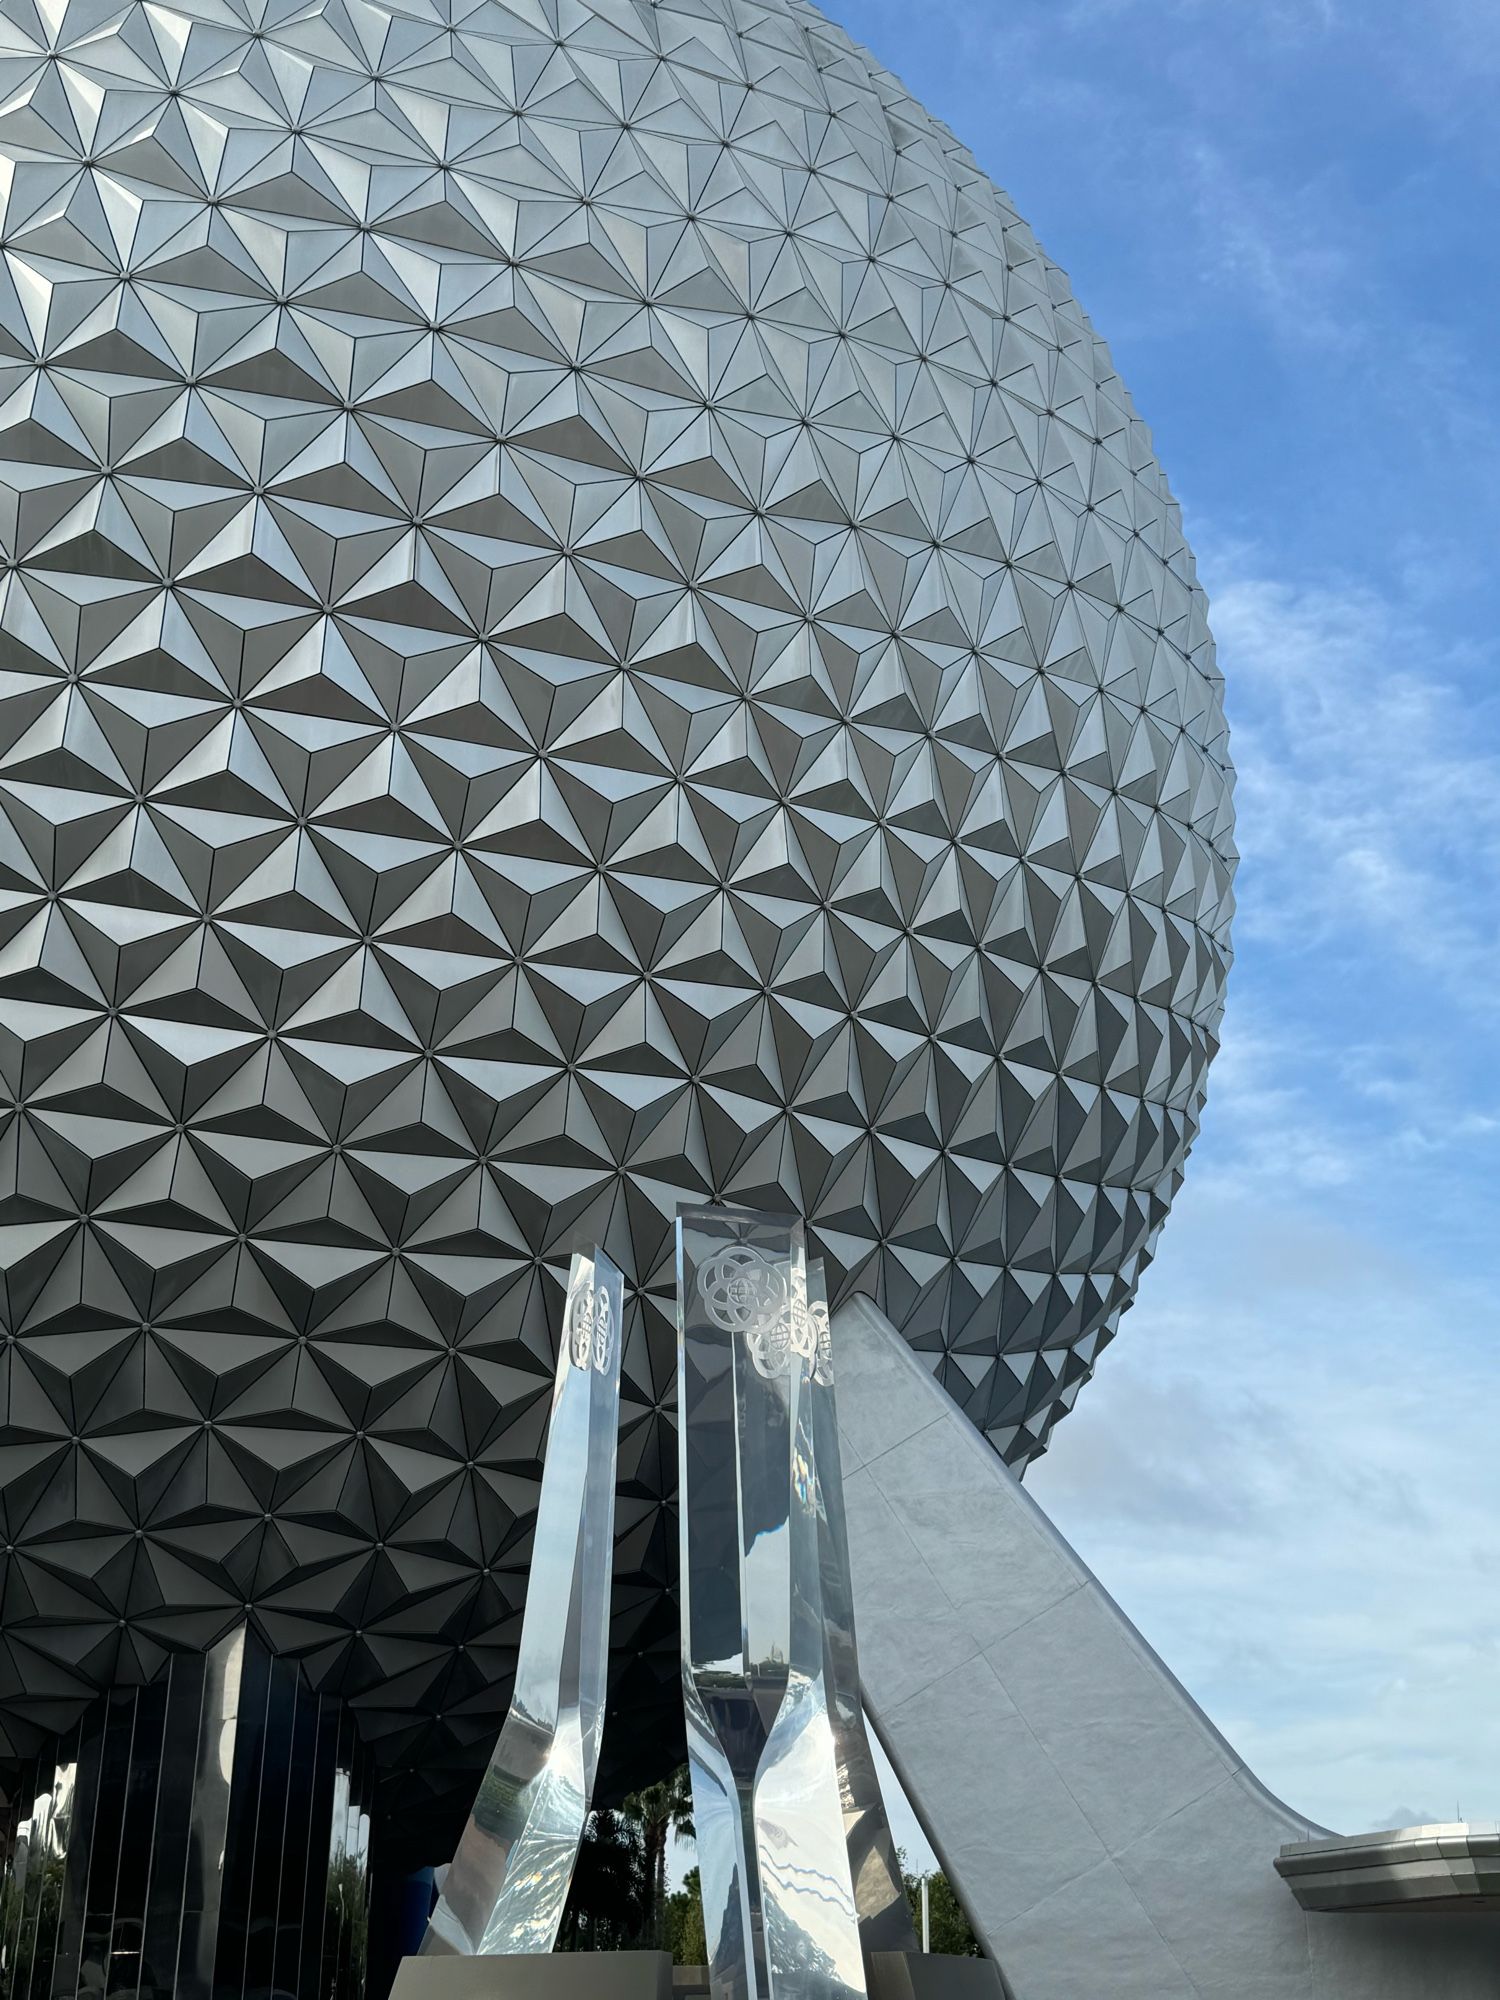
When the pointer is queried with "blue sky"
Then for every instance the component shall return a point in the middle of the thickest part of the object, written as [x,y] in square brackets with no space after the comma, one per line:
[1288,1467]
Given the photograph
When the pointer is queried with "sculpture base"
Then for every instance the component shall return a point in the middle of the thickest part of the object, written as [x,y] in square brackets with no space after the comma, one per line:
[553,1975]
[931,1975]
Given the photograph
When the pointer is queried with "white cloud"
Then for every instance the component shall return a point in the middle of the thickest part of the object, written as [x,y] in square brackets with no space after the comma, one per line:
[1283,246]
[1286,1474]
[1369,776]
[1286,1468]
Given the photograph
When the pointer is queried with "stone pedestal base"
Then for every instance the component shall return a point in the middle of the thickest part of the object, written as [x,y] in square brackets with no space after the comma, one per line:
[557,1975]
[931,1975]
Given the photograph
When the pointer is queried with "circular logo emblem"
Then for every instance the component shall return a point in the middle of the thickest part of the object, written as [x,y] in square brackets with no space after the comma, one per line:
[744,1291]
[803,1329]
[822,1342]
[770,1345]
[590,1328]
[604,1329]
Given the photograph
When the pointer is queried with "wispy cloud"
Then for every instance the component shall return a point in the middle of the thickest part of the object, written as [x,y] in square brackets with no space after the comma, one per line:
[1286,1474]
[1369,791]
[1282,249]
[1285,1469]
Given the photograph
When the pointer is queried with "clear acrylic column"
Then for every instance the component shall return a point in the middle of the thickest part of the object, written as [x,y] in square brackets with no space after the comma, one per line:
[879,1893]
[508,1882]
[778,1898]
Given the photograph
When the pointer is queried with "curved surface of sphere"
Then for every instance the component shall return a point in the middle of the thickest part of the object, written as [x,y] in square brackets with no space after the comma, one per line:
[586,625]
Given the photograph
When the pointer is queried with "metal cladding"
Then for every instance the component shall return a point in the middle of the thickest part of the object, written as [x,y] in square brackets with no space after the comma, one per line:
[585,625]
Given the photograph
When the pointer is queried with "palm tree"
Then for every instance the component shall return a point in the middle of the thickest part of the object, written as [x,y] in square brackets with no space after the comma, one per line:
[685,1936]
[608,1901]
[659,1810]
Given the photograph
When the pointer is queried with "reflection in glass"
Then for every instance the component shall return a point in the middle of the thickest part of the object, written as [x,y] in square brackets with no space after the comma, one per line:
[879,1894]
[509,1880]
[779,1910]
[36,1862]
[146,1852]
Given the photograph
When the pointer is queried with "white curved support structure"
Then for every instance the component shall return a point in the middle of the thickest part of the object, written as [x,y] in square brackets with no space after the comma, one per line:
[1106,1841]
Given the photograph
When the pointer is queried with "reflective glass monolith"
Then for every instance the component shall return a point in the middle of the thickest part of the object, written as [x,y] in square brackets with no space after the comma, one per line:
[879,1893]
[508,1882]
[779,1910]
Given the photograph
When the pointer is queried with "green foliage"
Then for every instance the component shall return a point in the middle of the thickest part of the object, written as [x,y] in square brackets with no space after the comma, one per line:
[685,1936]
[619,1899]
[347,1908]
[609,1905]
[31,1921]
[948,1926]
[657,1811]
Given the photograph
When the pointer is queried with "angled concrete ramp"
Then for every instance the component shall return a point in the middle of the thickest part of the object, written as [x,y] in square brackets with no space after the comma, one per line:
[1105,1839]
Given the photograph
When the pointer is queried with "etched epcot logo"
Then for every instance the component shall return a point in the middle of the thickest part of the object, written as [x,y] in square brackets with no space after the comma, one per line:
[587,625]
[604,1332]
[591,1328]
[822,1341]
[744,1291]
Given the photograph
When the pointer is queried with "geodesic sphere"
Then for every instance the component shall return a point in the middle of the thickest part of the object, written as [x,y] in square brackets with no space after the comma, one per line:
[586,625]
